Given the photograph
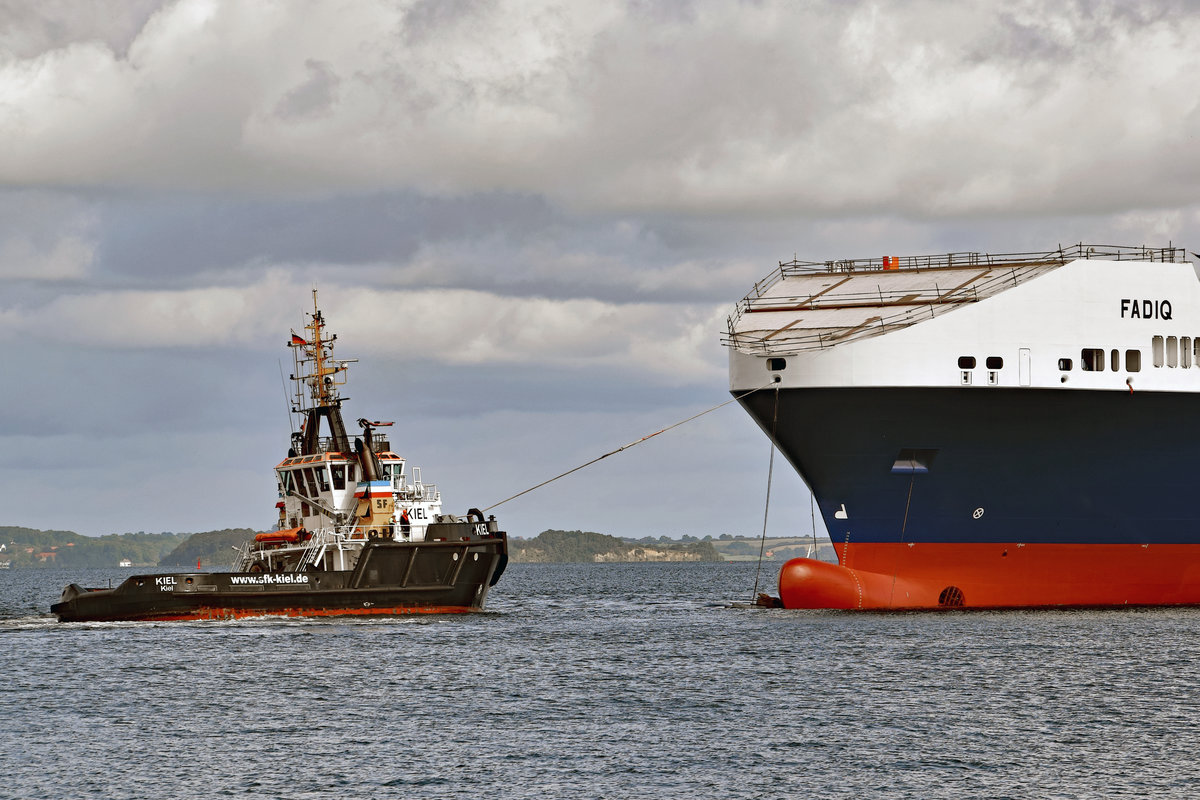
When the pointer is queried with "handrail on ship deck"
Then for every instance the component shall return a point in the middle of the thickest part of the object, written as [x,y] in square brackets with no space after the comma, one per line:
[954,297]
[380,443]
[959,260]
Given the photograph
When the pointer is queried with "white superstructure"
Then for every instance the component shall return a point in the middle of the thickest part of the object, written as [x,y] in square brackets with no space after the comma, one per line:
[1096,318]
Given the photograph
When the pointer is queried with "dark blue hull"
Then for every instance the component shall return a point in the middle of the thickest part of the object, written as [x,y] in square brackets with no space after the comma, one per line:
[980,465]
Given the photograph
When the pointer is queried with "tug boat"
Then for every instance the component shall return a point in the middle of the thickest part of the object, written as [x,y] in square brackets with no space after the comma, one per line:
[985,430]
[356,533]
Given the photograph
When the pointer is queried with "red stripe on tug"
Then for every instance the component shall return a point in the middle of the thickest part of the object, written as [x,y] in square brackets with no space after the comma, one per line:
[238,613]
[927,575]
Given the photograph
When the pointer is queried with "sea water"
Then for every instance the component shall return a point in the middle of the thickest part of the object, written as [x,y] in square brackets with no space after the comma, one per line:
[599,681]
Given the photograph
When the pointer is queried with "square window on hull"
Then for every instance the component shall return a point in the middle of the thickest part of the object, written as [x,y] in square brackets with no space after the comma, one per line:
[1091,360]
[910,461]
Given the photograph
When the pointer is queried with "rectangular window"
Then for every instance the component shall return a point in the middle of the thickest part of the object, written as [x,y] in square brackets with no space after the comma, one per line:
[1116,360]
[1185,351]
[1156,347]
[339,476]
[1133,360]
[1064,364]
[1172,351]
[910,461]
[1091,360]
[323,479]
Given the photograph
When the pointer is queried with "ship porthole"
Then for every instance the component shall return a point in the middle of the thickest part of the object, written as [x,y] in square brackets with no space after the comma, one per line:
[951,597]
[454,556]
[977,513]
[477,556]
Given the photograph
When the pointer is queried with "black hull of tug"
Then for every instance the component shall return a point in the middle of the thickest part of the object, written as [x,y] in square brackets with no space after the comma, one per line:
[390,578]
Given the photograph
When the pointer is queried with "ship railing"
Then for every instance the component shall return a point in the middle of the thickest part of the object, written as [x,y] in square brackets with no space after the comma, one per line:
[379,443]
[325,444]
[243,556]
[964,259]
[796,340]
[314,549]
[1019,265]
[424,492]
[936,294]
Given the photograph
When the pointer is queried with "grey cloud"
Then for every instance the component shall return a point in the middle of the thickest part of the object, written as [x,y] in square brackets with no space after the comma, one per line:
[32,28]
[314,97]
[507,243]
[920,109]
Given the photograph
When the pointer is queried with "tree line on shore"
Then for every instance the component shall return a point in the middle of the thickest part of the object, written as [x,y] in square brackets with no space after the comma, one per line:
[30,548]
[27,548]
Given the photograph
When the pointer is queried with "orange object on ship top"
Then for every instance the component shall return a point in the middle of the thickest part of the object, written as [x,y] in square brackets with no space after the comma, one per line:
[289,535]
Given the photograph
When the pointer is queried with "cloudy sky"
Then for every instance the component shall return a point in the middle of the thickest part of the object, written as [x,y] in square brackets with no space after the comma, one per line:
[528,220]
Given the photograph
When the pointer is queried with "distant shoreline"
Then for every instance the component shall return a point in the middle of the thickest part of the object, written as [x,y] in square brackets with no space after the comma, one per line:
[28,548]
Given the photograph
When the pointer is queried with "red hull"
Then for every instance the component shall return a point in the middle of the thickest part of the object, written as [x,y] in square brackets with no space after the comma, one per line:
[926,575]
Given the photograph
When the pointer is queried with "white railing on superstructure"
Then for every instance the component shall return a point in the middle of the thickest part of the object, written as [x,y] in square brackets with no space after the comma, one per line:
[1003,268]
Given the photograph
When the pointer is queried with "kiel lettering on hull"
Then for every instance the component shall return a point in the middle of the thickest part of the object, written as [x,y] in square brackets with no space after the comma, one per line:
[1146,309]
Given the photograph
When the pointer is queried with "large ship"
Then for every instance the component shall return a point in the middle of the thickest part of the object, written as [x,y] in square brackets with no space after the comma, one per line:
[356,533]
[985,431]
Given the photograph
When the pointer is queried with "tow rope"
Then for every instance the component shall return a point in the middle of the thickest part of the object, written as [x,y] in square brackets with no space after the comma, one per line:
[631,444]
[767,505]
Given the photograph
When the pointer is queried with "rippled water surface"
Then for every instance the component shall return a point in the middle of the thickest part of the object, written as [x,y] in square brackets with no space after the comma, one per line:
[606,681]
